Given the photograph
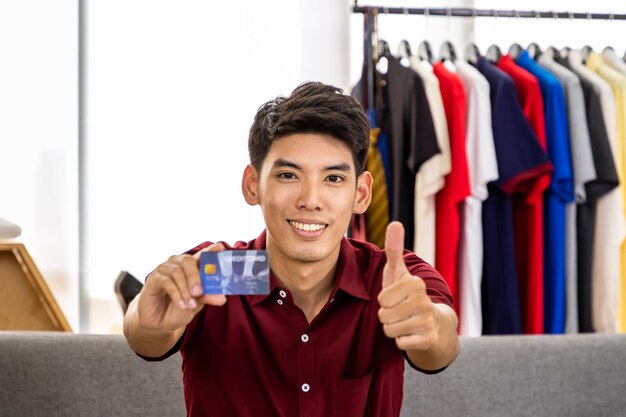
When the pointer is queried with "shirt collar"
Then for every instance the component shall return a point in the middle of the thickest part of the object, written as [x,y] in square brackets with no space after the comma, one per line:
[347,275]
[594,60]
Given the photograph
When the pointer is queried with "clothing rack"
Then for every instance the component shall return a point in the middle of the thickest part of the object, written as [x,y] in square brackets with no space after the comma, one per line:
[470,12]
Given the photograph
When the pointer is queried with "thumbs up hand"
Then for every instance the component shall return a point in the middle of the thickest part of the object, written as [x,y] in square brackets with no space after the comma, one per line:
[406,311]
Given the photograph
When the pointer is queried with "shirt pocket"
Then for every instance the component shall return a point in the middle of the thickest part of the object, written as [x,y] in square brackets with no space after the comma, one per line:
[349,396]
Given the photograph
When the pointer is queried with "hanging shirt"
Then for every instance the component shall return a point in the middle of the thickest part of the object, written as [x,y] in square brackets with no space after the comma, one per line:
[377,214]
[600,230]
[412,140]
[617,81]
[482,169]
[560,193]
[584,172]
[612,60]
[382,144]
[456,188]
[520,159]
[528,207]
[430,178]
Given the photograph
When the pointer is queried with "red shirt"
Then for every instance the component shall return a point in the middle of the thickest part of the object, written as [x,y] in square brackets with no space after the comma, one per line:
[258,355]
[457,186]
[528,206]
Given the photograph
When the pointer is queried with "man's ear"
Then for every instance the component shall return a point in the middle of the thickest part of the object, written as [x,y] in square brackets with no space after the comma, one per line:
[250,185]
[363,192]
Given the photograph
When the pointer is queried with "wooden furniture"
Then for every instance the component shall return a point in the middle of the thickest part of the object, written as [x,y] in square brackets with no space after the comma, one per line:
[26,302]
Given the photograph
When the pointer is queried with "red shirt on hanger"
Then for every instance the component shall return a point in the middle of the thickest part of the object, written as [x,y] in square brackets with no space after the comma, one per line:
[457,187]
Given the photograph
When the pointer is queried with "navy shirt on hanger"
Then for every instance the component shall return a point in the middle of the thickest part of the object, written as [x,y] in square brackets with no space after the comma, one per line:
[520,161]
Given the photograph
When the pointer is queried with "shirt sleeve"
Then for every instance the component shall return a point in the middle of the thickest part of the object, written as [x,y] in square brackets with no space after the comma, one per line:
[436,287]
[423,139]
[520,157]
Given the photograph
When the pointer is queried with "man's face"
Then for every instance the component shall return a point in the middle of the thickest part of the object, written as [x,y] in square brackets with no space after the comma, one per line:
[307,189]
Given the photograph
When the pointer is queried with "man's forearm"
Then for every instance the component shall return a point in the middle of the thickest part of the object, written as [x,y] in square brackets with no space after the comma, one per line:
[150,343]
[446,348]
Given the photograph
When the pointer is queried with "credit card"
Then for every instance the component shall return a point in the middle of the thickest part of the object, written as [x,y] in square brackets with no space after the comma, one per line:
[235,272]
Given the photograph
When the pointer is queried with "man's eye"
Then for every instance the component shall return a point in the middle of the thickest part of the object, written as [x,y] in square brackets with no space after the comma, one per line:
[335,178]
[287,175]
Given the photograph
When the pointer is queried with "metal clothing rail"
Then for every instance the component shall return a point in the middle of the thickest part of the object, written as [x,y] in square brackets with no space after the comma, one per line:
[469,12]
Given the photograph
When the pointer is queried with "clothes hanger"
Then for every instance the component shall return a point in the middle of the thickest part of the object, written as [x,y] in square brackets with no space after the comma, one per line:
[383,49]
[564,53]
[424,51]
[553,52]
[384,54]
[404,52]
[447,51]
[584,53]
[404,49]
[514,51]
[493,54]
[533,50]
[472,53]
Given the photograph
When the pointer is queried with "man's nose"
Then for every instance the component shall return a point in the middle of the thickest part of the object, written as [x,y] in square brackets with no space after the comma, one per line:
[310,197]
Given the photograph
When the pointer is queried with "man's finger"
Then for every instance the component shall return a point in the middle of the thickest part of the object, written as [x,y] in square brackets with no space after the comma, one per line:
[213,299]
[214,247]
[394,250]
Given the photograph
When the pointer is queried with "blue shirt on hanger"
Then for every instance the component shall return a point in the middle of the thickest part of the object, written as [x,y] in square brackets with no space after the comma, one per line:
[560,193]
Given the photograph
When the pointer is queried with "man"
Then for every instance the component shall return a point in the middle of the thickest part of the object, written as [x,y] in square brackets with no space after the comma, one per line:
[332,335]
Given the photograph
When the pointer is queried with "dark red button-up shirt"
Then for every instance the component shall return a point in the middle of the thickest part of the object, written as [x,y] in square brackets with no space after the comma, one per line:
[258,355]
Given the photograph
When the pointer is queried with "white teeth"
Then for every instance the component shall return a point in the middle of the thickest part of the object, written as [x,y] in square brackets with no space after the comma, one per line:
[307,227]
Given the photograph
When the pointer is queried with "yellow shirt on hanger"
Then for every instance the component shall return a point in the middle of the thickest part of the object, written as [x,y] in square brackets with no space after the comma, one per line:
[617,81]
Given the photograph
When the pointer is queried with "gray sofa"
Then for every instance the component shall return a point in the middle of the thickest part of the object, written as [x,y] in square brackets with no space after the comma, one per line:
[57,374]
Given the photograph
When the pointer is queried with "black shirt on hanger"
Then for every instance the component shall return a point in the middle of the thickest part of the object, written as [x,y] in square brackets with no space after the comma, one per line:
[606,180]
[412,140]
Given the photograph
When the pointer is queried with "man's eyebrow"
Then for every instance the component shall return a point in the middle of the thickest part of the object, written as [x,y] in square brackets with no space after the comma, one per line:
[339,167]
[343,167]
[284,163]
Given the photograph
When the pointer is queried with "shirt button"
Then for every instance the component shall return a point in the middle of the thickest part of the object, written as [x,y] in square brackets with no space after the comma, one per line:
[304,338]
[280,302]
[283,293]
[306,387]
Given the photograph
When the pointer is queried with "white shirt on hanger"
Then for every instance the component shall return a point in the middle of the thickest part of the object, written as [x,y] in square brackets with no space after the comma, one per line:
[482,168]
[430,178]
[613,60]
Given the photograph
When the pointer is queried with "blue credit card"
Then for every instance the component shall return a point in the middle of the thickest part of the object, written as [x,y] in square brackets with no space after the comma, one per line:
[235,272]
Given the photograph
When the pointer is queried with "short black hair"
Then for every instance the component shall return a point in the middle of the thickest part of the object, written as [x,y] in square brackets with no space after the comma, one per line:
[313,107]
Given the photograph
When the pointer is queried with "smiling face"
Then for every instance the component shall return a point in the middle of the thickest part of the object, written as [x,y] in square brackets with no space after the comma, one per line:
[307,189]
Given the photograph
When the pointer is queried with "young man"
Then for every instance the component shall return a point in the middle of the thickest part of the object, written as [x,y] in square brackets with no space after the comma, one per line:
[341,316]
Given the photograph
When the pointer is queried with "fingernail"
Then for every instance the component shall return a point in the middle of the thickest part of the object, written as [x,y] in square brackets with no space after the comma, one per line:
[196,290]
[181,304]
[192,303]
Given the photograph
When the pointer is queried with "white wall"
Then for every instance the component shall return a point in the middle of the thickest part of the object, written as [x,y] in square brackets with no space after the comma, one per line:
[39,137]
[559,33]
[172,89]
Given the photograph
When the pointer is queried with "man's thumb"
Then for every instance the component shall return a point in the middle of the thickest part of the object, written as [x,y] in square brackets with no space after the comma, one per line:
[394,250]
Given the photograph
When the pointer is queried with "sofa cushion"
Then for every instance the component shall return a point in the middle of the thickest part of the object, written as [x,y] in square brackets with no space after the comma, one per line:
[575,375]
[61,374]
